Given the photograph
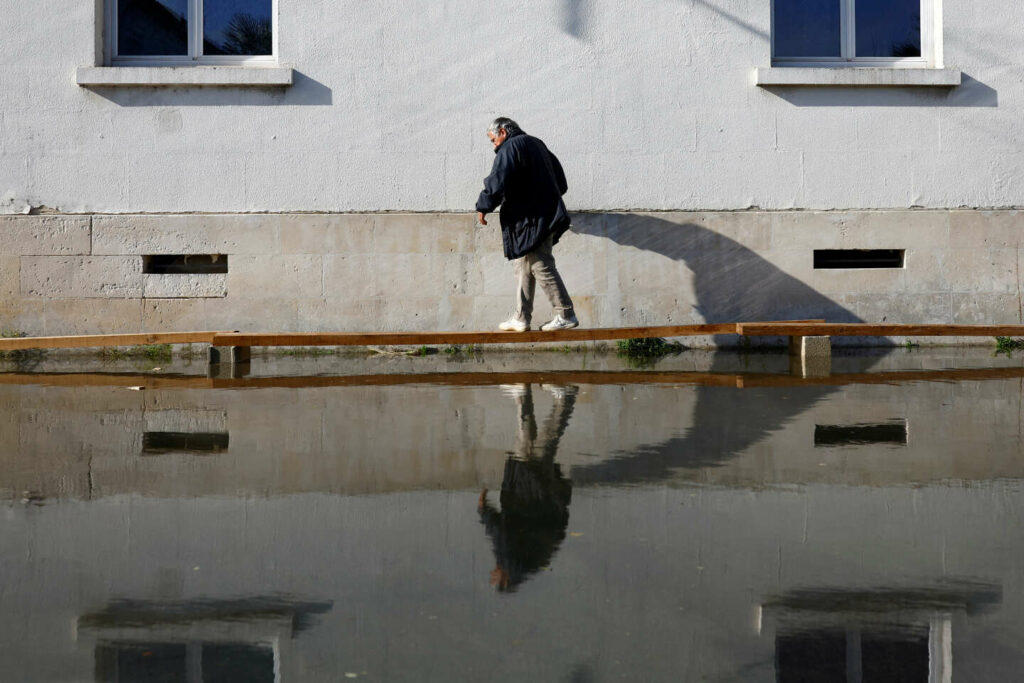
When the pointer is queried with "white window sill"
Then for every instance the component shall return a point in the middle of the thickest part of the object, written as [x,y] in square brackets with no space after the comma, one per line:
[166,76]
[856,76]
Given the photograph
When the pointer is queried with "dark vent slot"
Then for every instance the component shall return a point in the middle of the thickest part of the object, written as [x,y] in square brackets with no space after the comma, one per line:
[185,264]
[154,443]
[894,433]
[858,258]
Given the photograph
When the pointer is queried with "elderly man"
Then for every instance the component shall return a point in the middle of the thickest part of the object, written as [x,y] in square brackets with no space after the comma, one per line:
[528,183]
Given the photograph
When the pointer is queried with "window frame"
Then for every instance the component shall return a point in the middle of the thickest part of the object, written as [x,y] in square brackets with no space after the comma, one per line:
[195,43]
[930,42]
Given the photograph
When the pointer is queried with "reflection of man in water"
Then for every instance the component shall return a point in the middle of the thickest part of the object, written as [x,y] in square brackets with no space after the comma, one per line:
[534,494]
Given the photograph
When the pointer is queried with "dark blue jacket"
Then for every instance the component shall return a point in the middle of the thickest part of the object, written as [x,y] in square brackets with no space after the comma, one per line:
[528,183]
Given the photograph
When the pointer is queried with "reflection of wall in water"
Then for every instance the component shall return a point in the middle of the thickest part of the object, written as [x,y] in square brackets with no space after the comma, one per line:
[90,442]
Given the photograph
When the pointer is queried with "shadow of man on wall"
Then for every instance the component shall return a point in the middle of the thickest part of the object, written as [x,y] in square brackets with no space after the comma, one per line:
[731,283]
[528,529]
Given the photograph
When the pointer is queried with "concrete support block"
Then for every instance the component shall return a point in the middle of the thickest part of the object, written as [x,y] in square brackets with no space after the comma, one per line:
[859,229]
[972,229]
[44,235]
[177,315]
[86,316]
[981,270]
[185,286]
[296,275]
[320,234]
[810,356]
[229,354]
[81,277]
[228,370]
[186,234]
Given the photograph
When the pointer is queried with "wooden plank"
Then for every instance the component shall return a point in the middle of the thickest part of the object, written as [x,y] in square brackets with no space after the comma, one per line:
[877,330]
[434,338]
[362,338]
[89,340]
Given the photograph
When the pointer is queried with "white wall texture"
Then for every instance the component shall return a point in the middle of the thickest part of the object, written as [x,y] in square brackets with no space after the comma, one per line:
[649,104]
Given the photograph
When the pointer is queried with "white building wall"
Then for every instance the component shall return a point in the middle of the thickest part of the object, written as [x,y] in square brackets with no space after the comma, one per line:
[650,105]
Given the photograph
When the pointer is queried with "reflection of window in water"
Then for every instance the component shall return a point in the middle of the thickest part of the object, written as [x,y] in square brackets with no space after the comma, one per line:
[196,641]
[861,654]
[194,662]
[882,634]
[535,496]
[892,432]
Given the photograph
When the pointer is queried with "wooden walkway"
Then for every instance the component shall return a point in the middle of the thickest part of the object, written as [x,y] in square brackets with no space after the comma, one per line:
[803,328]
[796,328]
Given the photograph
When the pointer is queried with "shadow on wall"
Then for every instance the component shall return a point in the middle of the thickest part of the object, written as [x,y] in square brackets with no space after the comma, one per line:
[970,93]
[304,91]
[731,283]
[574,17]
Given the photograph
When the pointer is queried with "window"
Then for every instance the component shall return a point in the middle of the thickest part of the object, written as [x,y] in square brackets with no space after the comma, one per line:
[177,32]
[854,33]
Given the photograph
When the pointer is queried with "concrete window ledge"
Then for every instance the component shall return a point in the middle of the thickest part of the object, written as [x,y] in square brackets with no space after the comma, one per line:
[856,76]
[166,76]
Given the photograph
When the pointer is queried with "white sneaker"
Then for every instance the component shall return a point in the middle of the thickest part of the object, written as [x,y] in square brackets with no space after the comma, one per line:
[513,390]
[561,391]
[560,323]
[513,325]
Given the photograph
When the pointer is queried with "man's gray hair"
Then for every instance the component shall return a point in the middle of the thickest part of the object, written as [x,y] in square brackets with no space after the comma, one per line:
[505,124]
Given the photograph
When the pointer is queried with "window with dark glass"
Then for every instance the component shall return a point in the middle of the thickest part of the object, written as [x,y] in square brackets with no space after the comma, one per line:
[214,31]
[847,30]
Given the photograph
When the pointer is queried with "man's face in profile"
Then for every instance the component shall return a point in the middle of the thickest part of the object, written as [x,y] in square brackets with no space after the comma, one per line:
[497,138]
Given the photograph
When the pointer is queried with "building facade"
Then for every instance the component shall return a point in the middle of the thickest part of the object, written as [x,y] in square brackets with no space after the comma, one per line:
[272,165]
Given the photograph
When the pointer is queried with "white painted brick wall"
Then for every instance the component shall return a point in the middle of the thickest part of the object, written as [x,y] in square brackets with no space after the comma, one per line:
[648,107]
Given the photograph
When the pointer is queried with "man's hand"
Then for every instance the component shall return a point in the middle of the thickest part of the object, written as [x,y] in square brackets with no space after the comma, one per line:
[480,218]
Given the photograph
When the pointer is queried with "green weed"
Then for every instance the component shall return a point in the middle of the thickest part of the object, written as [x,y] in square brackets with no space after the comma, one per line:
[647,351]
[308,352]
[1008,344]
[19,355]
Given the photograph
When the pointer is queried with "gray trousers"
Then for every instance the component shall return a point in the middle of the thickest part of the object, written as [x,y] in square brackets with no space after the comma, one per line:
[539,264]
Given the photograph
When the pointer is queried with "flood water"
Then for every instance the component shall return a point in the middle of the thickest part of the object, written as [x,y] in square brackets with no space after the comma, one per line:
[554,517]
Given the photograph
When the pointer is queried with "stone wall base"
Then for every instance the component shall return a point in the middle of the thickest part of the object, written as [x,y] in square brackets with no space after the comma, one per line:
[88,274]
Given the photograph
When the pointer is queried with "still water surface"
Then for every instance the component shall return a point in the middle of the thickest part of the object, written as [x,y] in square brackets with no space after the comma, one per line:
[553,517]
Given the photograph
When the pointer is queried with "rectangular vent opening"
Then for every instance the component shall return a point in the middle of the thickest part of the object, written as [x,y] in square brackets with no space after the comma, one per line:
[155,443]
[184,264]
[892,433]
[858,258]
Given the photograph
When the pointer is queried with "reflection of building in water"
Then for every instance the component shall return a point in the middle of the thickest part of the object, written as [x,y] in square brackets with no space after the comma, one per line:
[535,495]
[888,634]
[96,442]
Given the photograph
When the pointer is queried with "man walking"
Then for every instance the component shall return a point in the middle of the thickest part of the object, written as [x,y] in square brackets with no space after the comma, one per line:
[528,183]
